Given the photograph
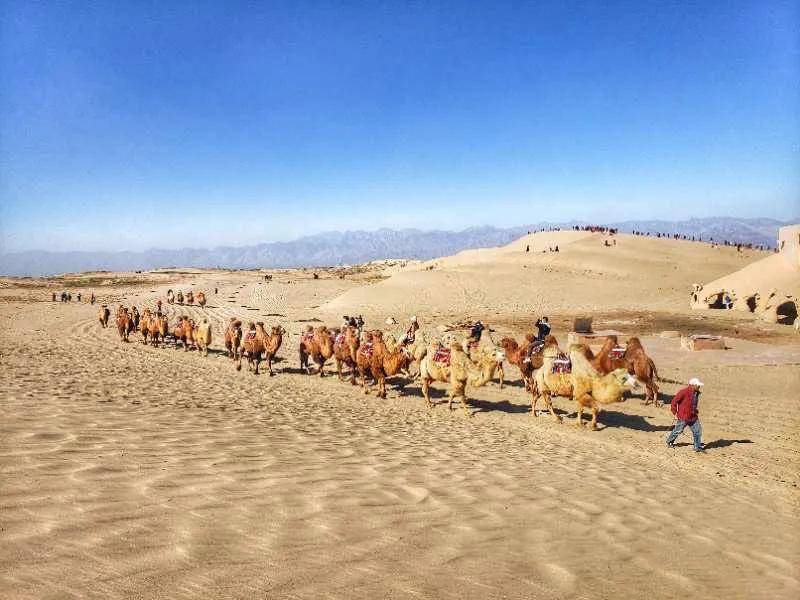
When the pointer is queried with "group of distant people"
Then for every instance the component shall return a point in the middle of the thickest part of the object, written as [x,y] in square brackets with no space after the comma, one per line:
[66,296]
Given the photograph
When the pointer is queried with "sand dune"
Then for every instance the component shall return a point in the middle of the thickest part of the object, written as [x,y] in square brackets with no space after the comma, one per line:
[132,471]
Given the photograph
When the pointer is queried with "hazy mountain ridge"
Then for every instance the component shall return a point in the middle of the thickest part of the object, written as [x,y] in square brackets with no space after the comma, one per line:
[348,247]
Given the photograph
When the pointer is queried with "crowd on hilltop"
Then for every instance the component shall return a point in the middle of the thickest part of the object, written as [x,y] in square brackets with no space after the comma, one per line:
[675,236]
[714,243]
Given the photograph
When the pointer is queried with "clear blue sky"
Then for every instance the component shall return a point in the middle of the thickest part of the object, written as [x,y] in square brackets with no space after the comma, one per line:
[126,125]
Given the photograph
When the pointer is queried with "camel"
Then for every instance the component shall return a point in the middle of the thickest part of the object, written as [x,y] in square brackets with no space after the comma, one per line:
[124,323]
[486,356]
[364,354]
[548,381]
[610,358]
[258,342]
[184,332]
[170,297]
[643,368]
[189,297]
[233,337]
[384,363]
[592,390]
[202,336]
[345,347]
[156,327]
[318,344]
[527,357]
[450,365]
[201,299]
[103,316]
[179,297]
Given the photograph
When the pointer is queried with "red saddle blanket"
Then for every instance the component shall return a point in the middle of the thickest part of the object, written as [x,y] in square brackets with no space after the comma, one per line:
[339,339]
[251,335]
[537,346]
[307,337]
[442,355]
[562,364]
[617,353]
[367,349]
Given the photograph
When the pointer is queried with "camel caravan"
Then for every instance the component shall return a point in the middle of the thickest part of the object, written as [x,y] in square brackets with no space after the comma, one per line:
[372,358]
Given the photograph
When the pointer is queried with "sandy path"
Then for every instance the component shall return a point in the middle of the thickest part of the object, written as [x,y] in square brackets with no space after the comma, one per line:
[130,471]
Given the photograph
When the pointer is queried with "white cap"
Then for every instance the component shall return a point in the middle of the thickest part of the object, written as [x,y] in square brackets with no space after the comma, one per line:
[413,318]
[695,381]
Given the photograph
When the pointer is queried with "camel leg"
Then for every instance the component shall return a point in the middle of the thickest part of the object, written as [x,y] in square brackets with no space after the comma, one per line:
[339,369]
[578,421]
[269,364]
[549,404]
[534,400]
[426,392]
[364,381]
[500,373]
[353,374]
[257,361]
[464,404]
[595,412]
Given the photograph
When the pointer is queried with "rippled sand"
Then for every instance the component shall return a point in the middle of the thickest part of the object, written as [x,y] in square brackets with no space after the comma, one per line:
[132,471]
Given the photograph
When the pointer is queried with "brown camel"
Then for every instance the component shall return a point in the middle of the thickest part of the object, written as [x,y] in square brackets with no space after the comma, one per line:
[233,337]
[103,316]
[317,344]
[201,299]
[364,358]
[643,368]
[610,357]
[157,328]
[179,297]
[184,332]
[202,336]
[385,364]
[170,297]
[189,297]
[124,323]
[257,342]
[345,348]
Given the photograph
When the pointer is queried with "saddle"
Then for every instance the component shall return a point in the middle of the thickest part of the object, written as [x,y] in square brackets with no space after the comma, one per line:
[617,353]
[251,335]
[367,349]
[442,355]
[306,337]
[339,339]
[562,364]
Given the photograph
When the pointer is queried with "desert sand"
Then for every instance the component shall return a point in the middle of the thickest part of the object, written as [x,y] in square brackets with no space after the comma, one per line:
[137,472]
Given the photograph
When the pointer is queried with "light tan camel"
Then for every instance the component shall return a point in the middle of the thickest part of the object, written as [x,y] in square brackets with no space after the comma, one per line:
[592,390]
[103,316]
[202,336]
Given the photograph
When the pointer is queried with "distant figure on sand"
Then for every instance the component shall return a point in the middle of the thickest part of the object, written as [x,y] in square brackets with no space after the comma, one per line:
[543,328]
[684,407]
[92,298]
[54,296]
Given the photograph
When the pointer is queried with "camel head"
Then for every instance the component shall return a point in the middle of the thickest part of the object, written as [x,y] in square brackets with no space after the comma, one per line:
[509,344]
[625,379]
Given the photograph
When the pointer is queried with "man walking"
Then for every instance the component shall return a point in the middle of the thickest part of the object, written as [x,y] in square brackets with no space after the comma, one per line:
[684,407]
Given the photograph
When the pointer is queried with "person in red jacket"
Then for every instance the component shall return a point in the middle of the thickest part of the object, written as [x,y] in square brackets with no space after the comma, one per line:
[684,407]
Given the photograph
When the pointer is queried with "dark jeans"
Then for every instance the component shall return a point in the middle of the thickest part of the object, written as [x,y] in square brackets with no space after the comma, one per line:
[678,429]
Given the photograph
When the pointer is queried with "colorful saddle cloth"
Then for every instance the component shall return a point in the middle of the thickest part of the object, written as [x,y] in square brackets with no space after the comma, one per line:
[562,364]
[617,353]
[339,339]
[306,337]
[442,355]
[367,349]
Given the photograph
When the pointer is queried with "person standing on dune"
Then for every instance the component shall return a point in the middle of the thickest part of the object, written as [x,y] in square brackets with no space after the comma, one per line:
[684,407]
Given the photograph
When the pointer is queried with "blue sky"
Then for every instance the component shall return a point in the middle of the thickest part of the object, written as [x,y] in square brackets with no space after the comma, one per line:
[127,125]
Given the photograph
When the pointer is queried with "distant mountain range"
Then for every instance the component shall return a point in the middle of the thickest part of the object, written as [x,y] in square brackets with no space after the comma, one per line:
[351,247]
